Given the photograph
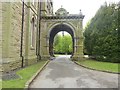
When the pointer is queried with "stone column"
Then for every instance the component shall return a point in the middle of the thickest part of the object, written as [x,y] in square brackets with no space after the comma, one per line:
[44,39]
[78,54]
[80,40]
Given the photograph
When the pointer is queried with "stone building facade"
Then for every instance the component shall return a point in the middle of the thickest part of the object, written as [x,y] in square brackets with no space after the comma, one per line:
[18,32]
[27,31]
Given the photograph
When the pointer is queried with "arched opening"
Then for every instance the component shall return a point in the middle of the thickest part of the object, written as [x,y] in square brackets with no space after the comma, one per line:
[54,31]
[62,44]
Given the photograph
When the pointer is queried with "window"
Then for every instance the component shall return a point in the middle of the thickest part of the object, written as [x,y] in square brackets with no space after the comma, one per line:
[33,34]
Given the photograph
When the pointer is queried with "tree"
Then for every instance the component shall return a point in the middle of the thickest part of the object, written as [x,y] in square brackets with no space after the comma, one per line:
[63,44]
[101,36]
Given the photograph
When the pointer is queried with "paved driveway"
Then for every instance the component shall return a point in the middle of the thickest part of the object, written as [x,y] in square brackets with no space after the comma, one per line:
[63,73]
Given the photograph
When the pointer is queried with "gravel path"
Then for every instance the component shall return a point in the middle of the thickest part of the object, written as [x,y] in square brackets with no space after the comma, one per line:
[63,73]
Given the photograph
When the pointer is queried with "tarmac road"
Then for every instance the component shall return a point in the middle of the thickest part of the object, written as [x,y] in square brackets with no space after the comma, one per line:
[63,73]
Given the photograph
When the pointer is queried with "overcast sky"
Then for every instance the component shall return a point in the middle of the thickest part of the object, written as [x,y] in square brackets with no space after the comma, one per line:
[88,7]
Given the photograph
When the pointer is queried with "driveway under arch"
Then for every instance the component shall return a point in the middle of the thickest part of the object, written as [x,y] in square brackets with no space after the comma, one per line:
[55,30]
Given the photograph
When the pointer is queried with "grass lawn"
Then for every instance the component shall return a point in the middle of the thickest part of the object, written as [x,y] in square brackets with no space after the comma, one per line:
[56,55]
[105,66]
[25,73]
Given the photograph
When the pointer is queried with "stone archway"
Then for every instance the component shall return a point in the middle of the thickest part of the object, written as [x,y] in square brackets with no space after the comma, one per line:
[57,28]
[61,21]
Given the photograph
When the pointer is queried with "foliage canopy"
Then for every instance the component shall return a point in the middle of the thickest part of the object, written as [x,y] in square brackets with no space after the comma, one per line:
[101,34]
[63,44]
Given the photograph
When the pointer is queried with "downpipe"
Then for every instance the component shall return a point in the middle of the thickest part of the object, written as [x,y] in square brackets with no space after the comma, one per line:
[39,30]
[21,47]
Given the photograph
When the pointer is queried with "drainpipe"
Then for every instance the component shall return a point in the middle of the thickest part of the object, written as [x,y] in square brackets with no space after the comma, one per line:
[37,34]
[21,47]
[39,30]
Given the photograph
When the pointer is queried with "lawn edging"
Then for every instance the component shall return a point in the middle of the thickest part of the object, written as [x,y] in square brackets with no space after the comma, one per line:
[94,68]
[35,75]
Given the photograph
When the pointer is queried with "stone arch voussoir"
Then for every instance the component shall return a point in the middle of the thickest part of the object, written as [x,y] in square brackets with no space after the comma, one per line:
[58,23]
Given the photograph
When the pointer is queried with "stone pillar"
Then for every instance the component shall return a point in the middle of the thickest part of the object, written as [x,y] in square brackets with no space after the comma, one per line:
[44,42]
[27,34]
[78,54]
[80,40]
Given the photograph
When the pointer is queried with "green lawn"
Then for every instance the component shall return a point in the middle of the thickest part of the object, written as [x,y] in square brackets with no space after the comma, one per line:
[105,66]
[56,55]
[0,84]
[25,74]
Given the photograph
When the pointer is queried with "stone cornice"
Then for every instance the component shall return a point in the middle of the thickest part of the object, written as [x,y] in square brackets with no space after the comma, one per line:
[64,17]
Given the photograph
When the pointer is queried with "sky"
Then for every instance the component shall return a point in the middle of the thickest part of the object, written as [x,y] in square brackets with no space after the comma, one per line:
[88,7]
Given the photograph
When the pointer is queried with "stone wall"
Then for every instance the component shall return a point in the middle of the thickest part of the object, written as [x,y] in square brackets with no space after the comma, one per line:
[11,25]
[0,36]
[11,35]
[29,52]
[76,26]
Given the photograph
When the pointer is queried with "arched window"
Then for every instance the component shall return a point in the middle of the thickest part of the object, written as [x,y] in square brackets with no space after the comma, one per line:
[33,34]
